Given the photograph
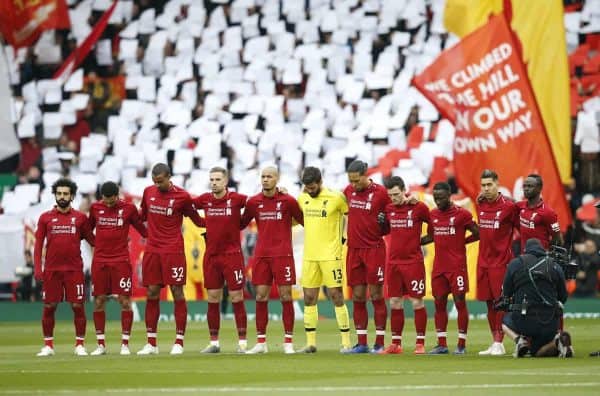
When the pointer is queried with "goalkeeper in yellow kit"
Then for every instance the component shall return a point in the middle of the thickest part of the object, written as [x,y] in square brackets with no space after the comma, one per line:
[324,212]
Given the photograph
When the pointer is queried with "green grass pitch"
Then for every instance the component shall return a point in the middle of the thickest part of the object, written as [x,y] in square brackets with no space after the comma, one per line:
[327,372]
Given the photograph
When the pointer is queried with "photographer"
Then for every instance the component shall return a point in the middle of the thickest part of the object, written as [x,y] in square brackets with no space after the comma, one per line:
[533,292]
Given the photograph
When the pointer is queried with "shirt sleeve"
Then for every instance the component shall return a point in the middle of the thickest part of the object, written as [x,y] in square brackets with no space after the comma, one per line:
[386,198]
[301,202]
[248,215]
[92,219]
[86,231]
[467,217]
[343,203]
[551,220]
[295,211]
[137,223]
[243,200]
[424,212]
[189,210]
[143,208]
[40,236]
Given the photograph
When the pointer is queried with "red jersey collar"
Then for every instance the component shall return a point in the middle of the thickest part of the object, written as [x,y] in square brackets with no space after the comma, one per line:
[55,210]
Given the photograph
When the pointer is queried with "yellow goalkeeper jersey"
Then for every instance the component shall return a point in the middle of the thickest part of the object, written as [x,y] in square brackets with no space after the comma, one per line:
[323,224]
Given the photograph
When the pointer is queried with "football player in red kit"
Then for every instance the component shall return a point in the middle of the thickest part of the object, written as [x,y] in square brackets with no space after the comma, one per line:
[61,271]
[274,213]
[405,271]
[111,268]
[163,208]
[498,217]
[447,229]
[223,260]
[365,261]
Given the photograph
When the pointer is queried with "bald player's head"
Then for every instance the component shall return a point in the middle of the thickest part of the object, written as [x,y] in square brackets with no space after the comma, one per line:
[269,178]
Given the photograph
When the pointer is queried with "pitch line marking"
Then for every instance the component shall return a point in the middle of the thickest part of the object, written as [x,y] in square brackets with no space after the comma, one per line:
[263,389]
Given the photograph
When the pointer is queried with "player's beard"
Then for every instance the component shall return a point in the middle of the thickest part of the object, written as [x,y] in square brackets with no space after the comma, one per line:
[63,203]
[315,194]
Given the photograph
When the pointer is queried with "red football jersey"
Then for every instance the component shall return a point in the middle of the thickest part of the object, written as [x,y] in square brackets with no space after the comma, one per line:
[63,233]
[497,221]
[539,222]
[406,222]
[223,221]
[164,213]
[273,217]
[448,229]
[112,230]
[363,207]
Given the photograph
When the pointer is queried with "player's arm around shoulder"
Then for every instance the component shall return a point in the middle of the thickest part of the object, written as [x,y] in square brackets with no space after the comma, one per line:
[249,212]
[470,226]
[295,210]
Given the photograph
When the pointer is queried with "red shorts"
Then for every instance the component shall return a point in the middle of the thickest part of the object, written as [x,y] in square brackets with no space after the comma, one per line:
[445,283]
[63,285]
[489,282]
[111,278]
[281,269]
[164,269]
[219,269]
[365,266]
[405,280]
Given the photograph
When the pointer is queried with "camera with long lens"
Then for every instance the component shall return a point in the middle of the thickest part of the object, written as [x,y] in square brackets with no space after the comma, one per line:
[502,303]
[561,256]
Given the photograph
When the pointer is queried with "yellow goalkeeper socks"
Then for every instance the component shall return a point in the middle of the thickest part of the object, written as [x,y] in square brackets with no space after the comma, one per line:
[343,321]
[311,316]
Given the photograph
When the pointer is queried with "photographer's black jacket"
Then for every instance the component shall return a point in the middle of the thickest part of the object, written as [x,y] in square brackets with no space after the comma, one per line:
[546,274]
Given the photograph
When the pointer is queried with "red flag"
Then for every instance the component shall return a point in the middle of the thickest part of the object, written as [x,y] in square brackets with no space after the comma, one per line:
[481,85]
[23,21]
[79,54]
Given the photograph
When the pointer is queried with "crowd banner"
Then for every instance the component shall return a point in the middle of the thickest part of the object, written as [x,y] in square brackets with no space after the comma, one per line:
[481,85]
[540,32]
[78,55]
[23,21]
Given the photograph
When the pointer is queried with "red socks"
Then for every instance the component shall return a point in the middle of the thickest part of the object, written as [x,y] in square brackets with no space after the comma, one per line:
[241,319]
[441,320]
[126,323]
[397,325]
[213,316]
[152,312]
[48,325]
[463,322]
[288,320]
[99,324]
[80,322]
[361,320]
[380,319]
[420,324]
[180,320]
[262,318]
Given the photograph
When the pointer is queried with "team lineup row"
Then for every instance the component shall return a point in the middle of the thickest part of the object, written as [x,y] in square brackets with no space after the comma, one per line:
[365,209]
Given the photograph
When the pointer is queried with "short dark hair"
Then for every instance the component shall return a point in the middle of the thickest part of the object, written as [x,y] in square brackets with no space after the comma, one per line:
[358,166]
[161,169]
[219,169]
[64,182]
[489,174]
[109,189]
[394,181]
[442,186]
[537,177]
[310,175]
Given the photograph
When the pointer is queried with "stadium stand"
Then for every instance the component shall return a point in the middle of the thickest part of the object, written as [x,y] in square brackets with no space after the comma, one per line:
[244,83]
